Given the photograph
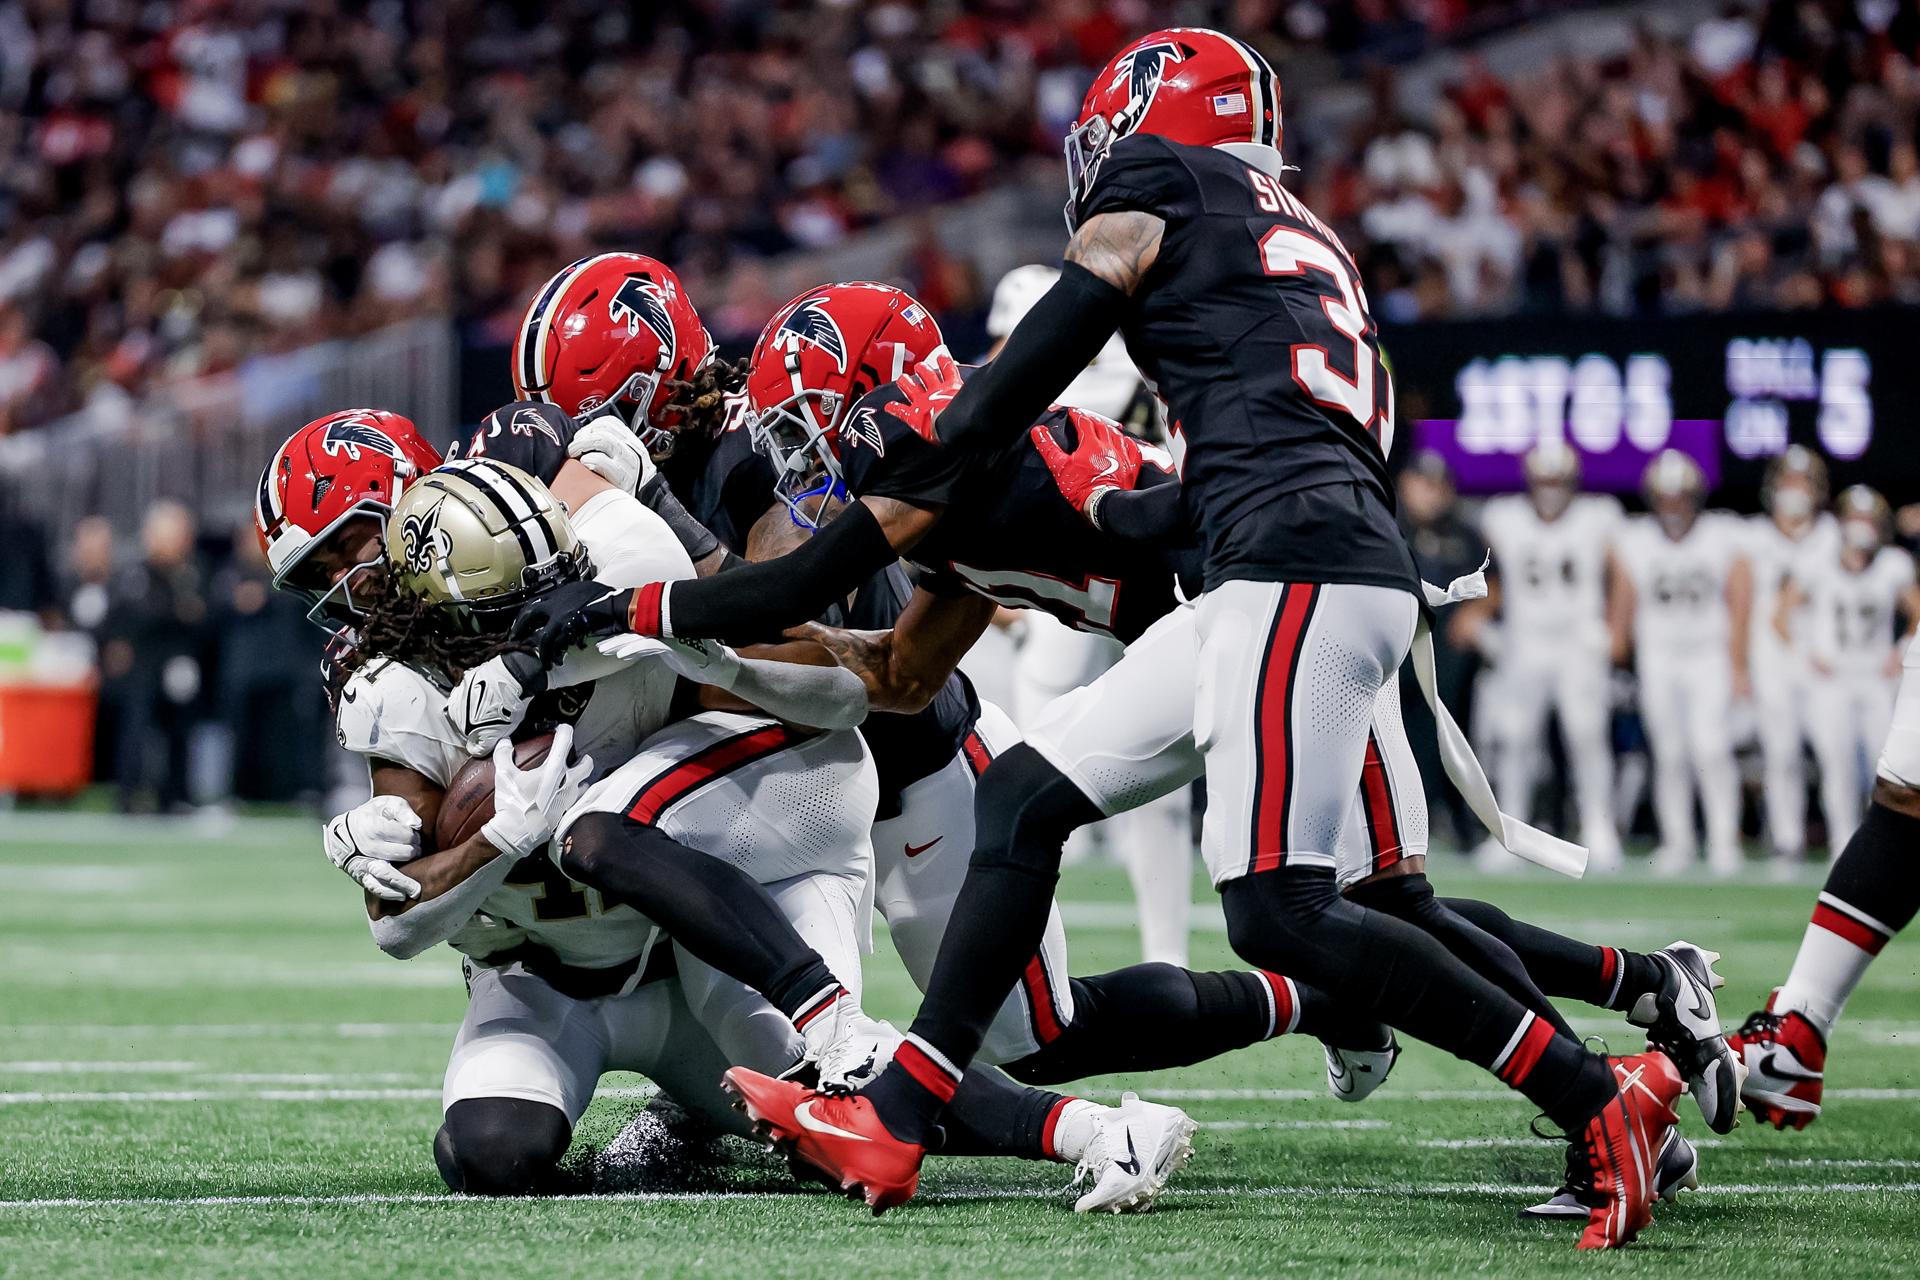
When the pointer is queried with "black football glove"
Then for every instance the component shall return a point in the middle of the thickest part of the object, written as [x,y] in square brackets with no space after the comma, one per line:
[569,615]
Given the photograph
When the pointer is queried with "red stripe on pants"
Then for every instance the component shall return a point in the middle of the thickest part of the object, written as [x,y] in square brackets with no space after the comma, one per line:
[1527,1053]
[1845,926]
[703,767]
[1383,824]
[1273,727]
[1046,1025]
[925,1071]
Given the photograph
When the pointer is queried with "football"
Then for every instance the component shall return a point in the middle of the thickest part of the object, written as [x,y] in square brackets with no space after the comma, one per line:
[469,799]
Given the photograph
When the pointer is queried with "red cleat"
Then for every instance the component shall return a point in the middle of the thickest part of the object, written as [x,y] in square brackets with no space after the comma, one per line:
[839,1135]
[1621,1143]
[1786,1061]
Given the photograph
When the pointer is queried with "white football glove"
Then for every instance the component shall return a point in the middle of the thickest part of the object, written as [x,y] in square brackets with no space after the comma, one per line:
[365,843]
[607,447]
[491,700]
[529,803]
[701,661]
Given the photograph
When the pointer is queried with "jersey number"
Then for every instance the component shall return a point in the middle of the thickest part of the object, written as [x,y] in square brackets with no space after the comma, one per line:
[1288,251]
[1086,606]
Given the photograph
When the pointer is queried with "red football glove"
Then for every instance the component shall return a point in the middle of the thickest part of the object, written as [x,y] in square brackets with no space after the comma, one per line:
[929,389]
[1104,458]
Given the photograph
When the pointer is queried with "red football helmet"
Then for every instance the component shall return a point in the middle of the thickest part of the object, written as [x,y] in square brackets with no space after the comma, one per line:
[821,352]
[345,465]
[606,331]
[1187,84]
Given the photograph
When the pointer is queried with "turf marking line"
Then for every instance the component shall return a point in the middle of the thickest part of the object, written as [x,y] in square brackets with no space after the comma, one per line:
[494,1205]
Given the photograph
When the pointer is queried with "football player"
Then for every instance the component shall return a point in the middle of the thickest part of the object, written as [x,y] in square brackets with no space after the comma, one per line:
[934,735]
[748,790]
[1155,841]
[1067,575]
[1854,605]
[1550,552]
[1873,890]
[1248,317]
[1793,532]
[1680,600]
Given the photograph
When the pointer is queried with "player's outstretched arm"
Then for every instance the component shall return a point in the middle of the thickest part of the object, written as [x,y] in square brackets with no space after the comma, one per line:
[904,667]
[1107,259]
[752,602]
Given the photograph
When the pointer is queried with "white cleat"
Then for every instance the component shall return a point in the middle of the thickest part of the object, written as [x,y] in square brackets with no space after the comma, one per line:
[1138,1147]
[862,1049]
[1681,1019]
[1353,1074]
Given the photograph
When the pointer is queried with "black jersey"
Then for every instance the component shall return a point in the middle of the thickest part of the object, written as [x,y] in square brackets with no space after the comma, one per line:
[728,492]
[1006,532]
[1253,327]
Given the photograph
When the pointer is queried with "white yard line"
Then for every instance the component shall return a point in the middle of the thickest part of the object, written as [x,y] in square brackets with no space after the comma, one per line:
[228,1030]
[933,1197]
[1470,1144]
[95,1068]
[1231,1126]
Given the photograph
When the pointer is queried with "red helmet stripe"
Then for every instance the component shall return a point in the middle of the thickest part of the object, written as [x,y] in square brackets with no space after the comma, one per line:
[531,358]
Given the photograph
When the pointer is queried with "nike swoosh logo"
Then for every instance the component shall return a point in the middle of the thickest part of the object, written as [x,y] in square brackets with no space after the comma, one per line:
[1111,466]
[1783,1069]
[804,1114]
[1339,1076]
[1131,1165]
[915,850]
[348,693]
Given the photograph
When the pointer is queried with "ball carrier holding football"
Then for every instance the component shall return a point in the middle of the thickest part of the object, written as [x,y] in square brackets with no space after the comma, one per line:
[1247,314]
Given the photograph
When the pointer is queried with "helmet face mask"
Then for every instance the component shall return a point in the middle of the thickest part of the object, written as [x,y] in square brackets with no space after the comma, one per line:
[328,477]
[791,436]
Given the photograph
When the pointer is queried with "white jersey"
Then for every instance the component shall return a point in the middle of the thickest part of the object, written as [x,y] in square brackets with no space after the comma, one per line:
[1680,586]
[1852,617]
[393,712]
[1552,572]
[1777,559]
[390,711]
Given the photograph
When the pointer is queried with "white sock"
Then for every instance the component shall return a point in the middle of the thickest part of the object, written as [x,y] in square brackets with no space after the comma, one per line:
[1074,1131]
[1827,968]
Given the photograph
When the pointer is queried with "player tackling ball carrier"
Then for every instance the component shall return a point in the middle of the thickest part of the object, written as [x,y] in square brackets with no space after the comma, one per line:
[1247,314]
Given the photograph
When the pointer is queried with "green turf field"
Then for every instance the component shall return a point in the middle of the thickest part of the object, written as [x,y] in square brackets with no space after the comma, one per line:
[208,1070]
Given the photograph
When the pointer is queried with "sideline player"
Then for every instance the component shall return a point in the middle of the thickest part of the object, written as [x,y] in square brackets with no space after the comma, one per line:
[1285,476]
[1855,602]
[1794,530]
[1872,891]
[1551,548]
[1680,603]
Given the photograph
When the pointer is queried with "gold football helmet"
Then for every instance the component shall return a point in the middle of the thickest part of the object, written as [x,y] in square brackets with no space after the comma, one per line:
[478,539]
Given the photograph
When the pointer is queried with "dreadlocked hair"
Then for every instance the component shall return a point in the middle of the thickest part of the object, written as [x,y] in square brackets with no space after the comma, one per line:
[405,627]
[703,398]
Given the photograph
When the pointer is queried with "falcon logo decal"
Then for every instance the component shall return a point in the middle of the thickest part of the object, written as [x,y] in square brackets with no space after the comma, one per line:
[527,420]
[639,301]
[810,323]
[1145,68]
[423,543]
[351,435]
[864,428]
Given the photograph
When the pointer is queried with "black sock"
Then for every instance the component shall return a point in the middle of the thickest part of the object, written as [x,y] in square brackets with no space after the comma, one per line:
[1294,920]
[1411,898]
[1149,1017]
[1024,811]
[1610,977]
[990,1115]
[1878,875]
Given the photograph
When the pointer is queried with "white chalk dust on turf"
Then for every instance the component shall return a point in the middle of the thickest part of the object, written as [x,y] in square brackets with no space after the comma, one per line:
[932,1198]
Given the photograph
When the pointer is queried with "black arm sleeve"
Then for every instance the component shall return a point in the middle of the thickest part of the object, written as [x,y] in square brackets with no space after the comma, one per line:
[1157,514]
[1047,350]
[712,908]
[694,536]
[760,600]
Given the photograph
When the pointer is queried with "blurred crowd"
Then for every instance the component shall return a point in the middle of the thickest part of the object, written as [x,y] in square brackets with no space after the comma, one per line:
[190,183]
[1765,160]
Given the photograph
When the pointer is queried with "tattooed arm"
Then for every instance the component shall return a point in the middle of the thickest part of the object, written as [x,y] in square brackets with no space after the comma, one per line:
[1107,262]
